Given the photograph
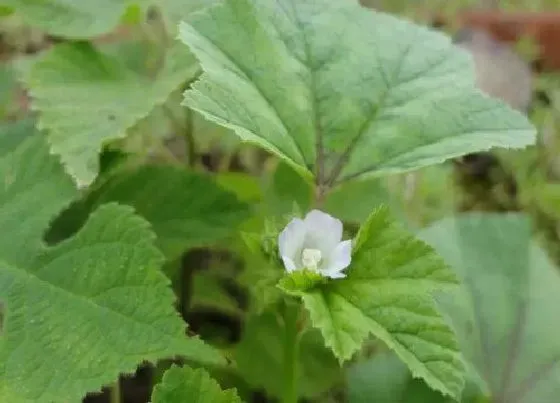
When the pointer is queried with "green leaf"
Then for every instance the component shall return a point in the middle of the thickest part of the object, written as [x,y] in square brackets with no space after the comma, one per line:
[246,187]
[185,209]
[350,202]
[387,292]
[185,384]
[34,190]
[260,357]
[178,10]
[71,18]
[285,192]
[389,380]
[79,313]
[505,315]
[12,134]
[354,201]
[342,91]
[86,98]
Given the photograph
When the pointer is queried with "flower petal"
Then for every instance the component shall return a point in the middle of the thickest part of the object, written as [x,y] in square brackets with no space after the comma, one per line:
[290,240]
[339,259]
[324,231]
[289,264]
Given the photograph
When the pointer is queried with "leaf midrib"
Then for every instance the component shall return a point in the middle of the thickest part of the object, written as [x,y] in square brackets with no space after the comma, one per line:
[394,340]
[247,76]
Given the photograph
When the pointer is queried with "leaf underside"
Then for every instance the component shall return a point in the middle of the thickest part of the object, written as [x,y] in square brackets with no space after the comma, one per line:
[86,98]
[341,92]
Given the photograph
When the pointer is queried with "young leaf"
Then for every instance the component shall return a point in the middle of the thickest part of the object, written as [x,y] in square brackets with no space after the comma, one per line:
[185,209]
[77,314]
[387,292]
[506,314]
[86,98]
[342,91]
[191,385]
[71,18]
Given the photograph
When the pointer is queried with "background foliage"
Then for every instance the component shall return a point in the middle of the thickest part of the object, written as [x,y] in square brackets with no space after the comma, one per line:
[126,186]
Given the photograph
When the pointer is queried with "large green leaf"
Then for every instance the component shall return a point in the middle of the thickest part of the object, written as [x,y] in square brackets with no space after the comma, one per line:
[260,357]
[86,98]
[185,209]
[181,385]
[79,313]
[342,91]
[386,379]
[72,18]
[506,314]
[387,292]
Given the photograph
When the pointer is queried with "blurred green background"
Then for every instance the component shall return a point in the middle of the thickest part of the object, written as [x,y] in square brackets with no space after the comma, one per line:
[516,49]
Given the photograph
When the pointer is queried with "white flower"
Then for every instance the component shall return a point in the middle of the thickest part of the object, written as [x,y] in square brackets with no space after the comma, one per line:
[315,243]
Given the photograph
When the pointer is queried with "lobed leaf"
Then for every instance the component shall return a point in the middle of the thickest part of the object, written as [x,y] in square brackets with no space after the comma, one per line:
[79,313]
[341,92]
[387,293]
[191,385]
[85,98]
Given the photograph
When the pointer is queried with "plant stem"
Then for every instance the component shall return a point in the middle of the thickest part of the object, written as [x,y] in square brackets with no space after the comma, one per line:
[320,195]
[116,392]
[291,353]
[189,135]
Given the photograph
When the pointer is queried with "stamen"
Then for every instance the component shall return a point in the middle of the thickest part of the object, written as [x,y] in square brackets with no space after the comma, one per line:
[311,258]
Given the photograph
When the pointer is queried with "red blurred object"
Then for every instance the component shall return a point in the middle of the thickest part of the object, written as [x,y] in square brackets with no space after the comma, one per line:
[543,27]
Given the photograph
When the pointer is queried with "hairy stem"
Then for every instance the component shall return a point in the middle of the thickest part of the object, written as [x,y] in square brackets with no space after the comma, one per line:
[291,353]
[320,195]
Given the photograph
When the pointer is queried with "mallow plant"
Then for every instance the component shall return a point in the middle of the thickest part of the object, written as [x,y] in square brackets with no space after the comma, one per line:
[337,95]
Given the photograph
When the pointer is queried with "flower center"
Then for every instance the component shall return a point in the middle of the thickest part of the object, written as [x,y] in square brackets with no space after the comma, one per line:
[311,258]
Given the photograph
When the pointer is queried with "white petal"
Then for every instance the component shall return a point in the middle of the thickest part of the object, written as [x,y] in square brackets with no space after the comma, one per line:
[291,238]
[339,259]
[324,231]
[288,264]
